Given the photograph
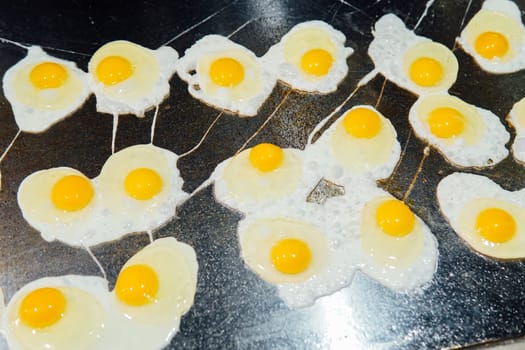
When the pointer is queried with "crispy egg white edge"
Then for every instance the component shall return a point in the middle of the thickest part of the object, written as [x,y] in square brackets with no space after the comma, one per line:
[167,58]
[458,153]
[291,76]
[386,58]
[211,44]
[341,265]
[510,9]
[336,171]
[47,118]
[518,145]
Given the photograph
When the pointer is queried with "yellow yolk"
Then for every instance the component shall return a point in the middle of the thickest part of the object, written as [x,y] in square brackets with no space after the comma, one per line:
[113,70]
[266,157]
[426,72]
[316,62]
[495,225]
[72,193]
[42,307]
[137,285]
[291,256]
[395,218]
[362,123]
[226,72]
[143,183]
[491,44]
[48,75]
[446,122]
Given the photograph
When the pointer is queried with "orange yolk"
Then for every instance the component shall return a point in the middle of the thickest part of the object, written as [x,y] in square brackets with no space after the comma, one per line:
[48,75]
[395,218]
[42,307]
[226,72]
[362,123]
[143,183]
[137,285]
[291,256]
[426,72]
[113,70]
[491,44]
[72,193]
[316,62]
[446,122]
[266,157]
[495,225]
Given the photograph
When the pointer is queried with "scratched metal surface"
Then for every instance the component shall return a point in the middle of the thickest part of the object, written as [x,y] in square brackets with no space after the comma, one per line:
[470,300]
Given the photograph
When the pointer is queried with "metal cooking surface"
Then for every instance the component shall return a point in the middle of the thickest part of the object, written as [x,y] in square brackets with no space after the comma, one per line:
[471,299]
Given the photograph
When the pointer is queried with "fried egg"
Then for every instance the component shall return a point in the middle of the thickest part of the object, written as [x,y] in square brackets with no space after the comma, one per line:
[495,37]
[153,290]
[302,249]
[310,57]
[262,175]
[226,75]
[362,142]
[467,135]
[413,62]
[130,79]
[516,118]
[43,90]
[67,312]
[490,219]
[396,247]
[141,188]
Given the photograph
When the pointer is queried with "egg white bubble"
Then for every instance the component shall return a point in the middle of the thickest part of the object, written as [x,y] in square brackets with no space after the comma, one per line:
[146,88]
[516,118]
[392,41]
[35,110]
[497,16]
[487,149]
[337,266]
[290,74]
[244,98]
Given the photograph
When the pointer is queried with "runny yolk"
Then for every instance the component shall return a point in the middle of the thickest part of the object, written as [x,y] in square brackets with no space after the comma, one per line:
[316,62]
[426,71]
[72,193]
[137,285]
[143,183]
[113,70]
[291,256]
[446,122]
[266,157]
[395,218]
[491,44]
[226,72]
[362,123]
[42,307]
[495,225]
[48,75]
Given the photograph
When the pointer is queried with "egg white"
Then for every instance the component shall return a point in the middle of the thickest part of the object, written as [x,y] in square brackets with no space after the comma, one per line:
[516,118]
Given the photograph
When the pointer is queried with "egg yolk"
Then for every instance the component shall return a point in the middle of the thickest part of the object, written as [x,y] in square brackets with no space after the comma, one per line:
[48,75]
[495,225]
[42,307]
[143,183]
[72,193]
[226,72]
[291,256]
[395,218]
[491,44]
[446,122]
[266,157]
[426,72]
[316,62]
[362,123]
[137,285]
[113,70]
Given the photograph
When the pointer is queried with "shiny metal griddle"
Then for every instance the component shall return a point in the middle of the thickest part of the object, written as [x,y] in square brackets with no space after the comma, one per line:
[470,300]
